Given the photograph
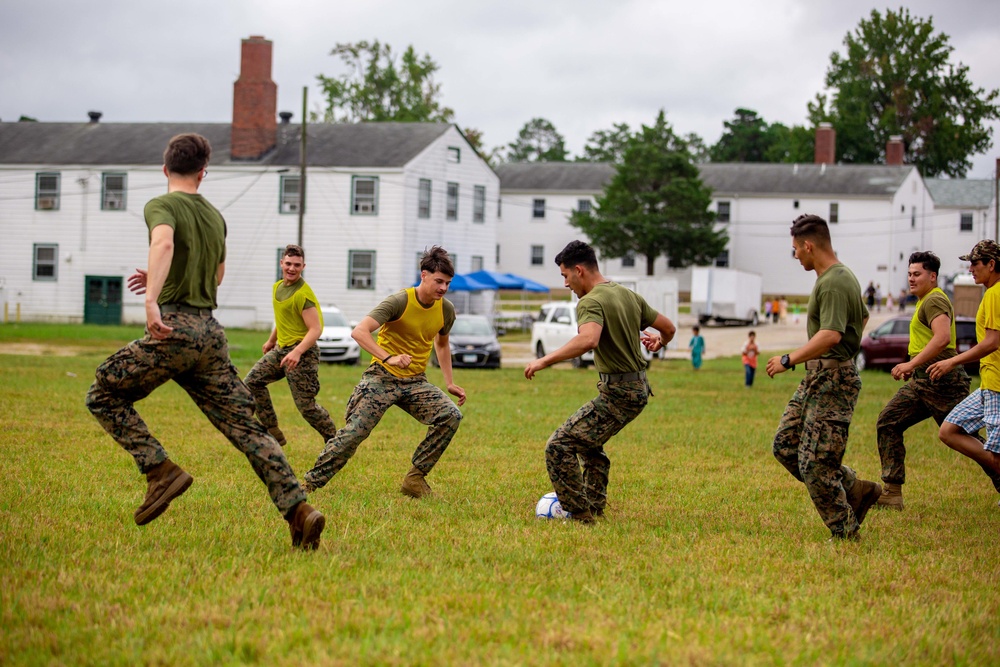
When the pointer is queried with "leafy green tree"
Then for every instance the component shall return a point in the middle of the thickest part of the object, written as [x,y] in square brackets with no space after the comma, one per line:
[655,204]
[380,87]
[744,140]
[896,78]
[475,139]
[538,141]
[789,144]
[700,153]
[607,145]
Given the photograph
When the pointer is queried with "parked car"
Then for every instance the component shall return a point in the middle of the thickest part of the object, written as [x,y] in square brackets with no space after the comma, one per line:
[887,345]
[555,325]
[473,343]
[335,343]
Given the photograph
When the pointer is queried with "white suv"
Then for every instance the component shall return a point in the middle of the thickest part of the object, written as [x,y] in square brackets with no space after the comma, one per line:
[335,343]
[555,325]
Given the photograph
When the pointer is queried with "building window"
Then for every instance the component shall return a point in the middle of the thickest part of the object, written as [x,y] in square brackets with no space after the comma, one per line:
[583,206]
[361,269]
[965,224]
[628,260]
[454,154]
[497,253]
[451,204]
[537,255]
[290,196]
[113,192]
[723,259]
[424,199]
[538,208]
[477,263]
[281,254]
[364,195]
[478,203]
[834,212]
[499,208]
[913,217]
[722,212]
[46,262]
[47,191]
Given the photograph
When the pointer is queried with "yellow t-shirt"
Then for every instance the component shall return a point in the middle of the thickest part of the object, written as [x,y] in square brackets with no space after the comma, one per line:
[288,311]
[412,330]
[933,304]
[988,317]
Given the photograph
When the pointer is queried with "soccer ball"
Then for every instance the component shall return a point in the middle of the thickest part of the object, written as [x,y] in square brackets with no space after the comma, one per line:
[550,508]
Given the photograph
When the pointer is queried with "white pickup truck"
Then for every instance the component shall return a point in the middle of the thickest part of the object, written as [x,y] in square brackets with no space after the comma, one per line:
[555,325]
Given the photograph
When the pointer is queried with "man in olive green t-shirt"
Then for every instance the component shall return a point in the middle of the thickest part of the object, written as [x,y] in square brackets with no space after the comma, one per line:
[812,435]
[610,318]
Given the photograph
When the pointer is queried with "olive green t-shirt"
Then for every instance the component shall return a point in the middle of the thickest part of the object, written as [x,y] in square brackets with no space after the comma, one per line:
[622,314]
[199,247]
[836,305]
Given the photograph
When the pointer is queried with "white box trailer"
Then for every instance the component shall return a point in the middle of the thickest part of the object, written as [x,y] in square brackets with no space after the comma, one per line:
[725,296]
[660,293]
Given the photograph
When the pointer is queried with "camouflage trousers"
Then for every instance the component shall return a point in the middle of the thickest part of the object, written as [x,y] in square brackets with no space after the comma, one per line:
[582,438]
[917,400]
[811,440]
[378,391]
[195,356]
[303,382]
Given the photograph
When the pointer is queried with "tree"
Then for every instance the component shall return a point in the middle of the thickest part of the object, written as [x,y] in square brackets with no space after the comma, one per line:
[749,138]
[655,204]
[607,145]
[538,141]
[789,144]
[896,79]
[377,87]
[475,139]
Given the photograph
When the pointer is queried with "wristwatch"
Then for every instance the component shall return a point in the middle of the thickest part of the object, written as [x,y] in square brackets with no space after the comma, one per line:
[786,361]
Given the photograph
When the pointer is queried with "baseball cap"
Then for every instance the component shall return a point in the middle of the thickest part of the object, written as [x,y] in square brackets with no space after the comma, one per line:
[985,250]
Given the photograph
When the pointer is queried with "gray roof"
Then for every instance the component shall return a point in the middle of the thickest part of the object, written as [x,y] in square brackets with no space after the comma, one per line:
[961,193]
[724,178]
[555,176]
[328,145]
[804,179]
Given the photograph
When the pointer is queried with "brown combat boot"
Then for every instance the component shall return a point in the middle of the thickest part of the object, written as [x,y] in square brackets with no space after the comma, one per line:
[278,435]
[863,495]
[165,482]
[415,485]
[892,497]
[585,516]
[307,524]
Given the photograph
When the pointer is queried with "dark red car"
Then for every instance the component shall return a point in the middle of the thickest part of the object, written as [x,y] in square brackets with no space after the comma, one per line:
[887,345]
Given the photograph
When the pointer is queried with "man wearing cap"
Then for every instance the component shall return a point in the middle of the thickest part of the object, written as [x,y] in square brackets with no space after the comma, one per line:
[932,338]
[982,407]
[812,435]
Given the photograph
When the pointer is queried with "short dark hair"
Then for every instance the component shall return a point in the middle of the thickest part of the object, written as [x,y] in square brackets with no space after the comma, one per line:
[927,259]
[436,260]
[292,250]
[577,253]
[187,154]
[811,227]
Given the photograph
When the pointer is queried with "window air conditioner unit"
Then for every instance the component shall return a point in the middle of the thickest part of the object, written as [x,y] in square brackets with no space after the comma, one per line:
[113,204]
[364,207]
[290,207]
[46,203]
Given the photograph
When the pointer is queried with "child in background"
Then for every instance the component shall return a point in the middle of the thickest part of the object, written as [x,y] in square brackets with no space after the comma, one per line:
[749,353]
[697,347]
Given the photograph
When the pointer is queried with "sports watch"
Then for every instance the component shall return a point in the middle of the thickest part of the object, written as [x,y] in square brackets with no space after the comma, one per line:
[786,361]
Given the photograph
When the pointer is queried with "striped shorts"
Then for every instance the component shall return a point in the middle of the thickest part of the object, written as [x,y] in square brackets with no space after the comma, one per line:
[980,408]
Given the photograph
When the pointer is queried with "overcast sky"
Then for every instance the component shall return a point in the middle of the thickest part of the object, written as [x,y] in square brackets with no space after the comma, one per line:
[582,64]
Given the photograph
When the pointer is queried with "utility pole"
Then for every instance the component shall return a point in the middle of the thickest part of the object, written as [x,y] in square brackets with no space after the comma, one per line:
[302,164]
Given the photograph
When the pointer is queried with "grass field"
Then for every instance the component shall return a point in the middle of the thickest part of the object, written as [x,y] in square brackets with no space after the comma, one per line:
[711,553]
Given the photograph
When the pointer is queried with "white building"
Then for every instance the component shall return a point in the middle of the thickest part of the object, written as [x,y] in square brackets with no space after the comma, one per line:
[964,213]
[377,194]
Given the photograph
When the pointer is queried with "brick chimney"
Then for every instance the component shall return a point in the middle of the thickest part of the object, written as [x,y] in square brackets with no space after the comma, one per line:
[894,151]
[255,102]
[826,144]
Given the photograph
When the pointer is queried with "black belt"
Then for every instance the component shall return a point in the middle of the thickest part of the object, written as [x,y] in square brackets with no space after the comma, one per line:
[184,308]
[817,364]
[622,377]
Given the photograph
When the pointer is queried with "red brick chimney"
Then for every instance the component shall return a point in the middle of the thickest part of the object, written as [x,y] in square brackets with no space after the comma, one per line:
[255,102]
[894,151]
[826,144]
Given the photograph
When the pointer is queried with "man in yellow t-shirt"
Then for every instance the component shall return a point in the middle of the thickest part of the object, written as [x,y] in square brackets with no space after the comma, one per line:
[410,322]
[932,338]
[290,351]
[982,407]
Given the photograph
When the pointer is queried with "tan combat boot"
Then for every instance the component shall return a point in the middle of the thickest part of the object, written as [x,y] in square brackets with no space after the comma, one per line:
[165,482]
[278,435]
[892,497]
[585,516]
[863,495]
[414,484]
[307,524]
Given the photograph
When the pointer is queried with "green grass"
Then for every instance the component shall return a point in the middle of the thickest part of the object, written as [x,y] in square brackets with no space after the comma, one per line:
[711,552]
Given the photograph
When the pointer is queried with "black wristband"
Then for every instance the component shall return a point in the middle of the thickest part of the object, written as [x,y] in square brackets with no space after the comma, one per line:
[388,358]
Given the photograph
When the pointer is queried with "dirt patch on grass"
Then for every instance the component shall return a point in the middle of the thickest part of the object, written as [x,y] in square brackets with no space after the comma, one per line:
[40,349]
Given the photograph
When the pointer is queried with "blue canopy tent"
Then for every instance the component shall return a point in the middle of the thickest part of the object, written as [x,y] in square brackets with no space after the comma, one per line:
[509,281]
[467,284]
[497,280]
[527,284]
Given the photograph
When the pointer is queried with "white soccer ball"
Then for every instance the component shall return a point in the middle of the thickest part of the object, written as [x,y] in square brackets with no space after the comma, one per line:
[550,508]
